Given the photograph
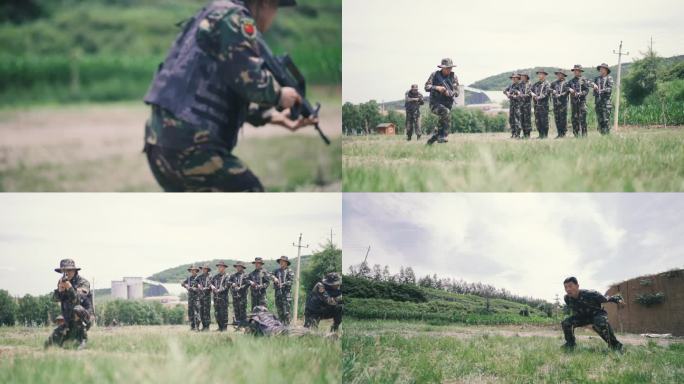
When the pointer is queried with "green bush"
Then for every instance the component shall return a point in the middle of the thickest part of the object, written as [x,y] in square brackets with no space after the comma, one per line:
[369,289]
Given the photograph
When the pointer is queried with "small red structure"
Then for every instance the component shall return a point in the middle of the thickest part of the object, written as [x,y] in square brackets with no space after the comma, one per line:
[386,129]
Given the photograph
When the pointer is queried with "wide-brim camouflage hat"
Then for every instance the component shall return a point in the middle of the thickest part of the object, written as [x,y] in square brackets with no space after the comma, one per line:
[560,72]
[283,258]
[67,265]
[206,266]
[239,264]
[603,65]
[59,318]
[541,71]
[287,3]
[577,67]
[414,86]
[332,278]
[446,63]
[258,260]
[526,75]
[513,76]
[193,268]
[221,264]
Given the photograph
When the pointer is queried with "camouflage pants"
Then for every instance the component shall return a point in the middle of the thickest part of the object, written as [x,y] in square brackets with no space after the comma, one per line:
[541,120]
[240,309]
[603,116]
[514,119]
[312,316]
[413,124]
[221,311]
[205,311]
[194,312]
[258,298]
[283,304]
[526,118]
[444,120]
[578,108]
[599,323]
[200,168]
[560,116]
[65,332]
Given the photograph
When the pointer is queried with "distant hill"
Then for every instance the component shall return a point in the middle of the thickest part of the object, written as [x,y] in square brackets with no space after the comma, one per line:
[177,274]
[500,81]
[470,98]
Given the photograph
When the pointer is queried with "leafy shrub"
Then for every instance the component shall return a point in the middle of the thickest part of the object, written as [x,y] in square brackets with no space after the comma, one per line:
[650,299]
[364,288]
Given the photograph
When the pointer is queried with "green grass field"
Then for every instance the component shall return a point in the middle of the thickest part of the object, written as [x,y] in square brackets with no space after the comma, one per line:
[414,352]
[632,159]
[168,354]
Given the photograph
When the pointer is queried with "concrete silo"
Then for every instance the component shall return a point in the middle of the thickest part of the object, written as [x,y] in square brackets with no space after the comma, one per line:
[135,287]
[119,290]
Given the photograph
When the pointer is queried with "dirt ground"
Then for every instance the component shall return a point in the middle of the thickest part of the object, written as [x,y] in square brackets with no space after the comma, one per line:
[108,138]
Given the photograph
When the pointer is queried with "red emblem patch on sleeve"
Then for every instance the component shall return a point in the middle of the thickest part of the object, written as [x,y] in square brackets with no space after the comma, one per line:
[248,29]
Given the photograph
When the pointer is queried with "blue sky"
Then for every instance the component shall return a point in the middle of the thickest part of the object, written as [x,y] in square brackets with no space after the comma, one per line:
[390,44]
[116,235]
[526,243]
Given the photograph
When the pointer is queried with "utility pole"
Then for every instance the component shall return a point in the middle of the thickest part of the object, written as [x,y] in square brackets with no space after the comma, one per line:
[299,264]
[367,252]
[620,53]
[331,237]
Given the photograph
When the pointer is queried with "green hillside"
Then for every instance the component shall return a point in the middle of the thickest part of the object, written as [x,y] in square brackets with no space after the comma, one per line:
[177,274]
[148,290]
[500,81]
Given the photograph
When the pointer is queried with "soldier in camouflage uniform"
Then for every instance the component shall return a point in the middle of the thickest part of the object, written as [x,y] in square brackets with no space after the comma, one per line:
[540,96]
[73,294]
[259,280]
[238,288]
[443,88]
[264,323]
[219,287]
[578,87]
[212,81]
[513,93]
[191,284]
[325,302]
[204,286]
[413,99]
[560,103]
[586,309]
[603,87]
[284,278]
[526,105]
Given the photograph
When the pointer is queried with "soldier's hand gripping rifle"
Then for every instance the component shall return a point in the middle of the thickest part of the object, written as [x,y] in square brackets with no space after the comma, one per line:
[287,74]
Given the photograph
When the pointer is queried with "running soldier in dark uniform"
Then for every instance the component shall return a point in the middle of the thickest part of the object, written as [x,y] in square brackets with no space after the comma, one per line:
[413,99]
[325,302]
[219,287]
[515,102]
[212,82]
[76,302]
[586,309]
[559,96]
[238,289]
[284,278]
[443,88]
[603,88]
[190,283]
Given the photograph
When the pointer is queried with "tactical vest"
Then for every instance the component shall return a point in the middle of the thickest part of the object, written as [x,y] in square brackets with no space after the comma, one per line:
[189,83]
[444,81]
[412,106]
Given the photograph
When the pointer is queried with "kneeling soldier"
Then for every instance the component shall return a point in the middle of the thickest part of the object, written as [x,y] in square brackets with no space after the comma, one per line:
[73,293]
[325,302]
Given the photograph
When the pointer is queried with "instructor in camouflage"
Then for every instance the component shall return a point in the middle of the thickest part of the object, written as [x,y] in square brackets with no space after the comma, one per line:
[75,299]
[413,99]
[443,88]
[325,302]
[259,280]
[219,287]
[540,96]
[559,95]
[587,309]
[238,289]
[578,88]
[212,82]
[603,88]
[190,283]
[283,287]
[513,94]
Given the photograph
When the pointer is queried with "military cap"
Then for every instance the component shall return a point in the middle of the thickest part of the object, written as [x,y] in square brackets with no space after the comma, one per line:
[414,86]
[577,67]
[66,265]
[526,75]
[446,63]
[514,75]
[193,268]
[239,264]
[284,258]
[603,65]
[560,72]
[332,278]
[206,266]
[59,318]
[542,71]
[221,264]
[258,260]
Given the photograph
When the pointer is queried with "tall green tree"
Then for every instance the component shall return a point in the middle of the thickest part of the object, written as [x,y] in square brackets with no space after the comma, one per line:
[642,79]
[8,309]
[327,260]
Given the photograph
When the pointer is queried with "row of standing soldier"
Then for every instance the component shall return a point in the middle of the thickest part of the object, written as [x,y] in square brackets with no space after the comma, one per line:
[522,96]
[201,287]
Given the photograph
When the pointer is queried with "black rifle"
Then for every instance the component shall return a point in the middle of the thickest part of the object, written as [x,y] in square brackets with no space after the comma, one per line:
[287,74]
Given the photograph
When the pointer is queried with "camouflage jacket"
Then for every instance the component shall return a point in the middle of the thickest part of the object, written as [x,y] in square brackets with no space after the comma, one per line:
[581,86]
[413,101]
[78,294]
[513,91]
[266,324]
[605,89]
[449,82]
[542,90]
[323,296]
[190,283]
[261,279]
[285,280]
[221,283]
[588,303]
[238,283]
[525,89]
[559,92]
[204,284]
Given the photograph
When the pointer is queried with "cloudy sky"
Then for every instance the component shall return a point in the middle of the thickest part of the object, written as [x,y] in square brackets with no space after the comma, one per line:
[116,235]
[526,243]
[387,44]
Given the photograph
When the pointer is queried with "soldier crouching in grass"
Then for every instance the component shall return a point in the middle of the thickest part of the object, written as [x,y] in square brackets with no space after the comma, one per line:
[325,302]
[75,298]
[212,82]
[586,309]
